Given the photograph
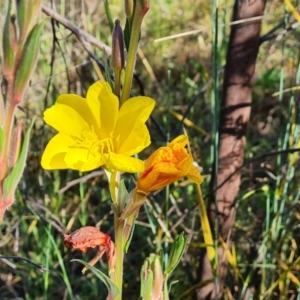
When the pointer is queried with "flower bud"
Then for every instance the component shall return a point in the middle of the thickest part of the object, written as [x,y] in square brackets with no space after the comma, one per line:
[9,39]
[27,14]
[158,279]
[118,60]
[152,278]
[128,8]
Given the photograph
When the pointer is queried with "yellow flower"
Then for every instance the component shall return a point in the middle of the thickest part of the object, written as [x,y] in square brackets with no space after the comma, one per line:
[94,132]
[166,165]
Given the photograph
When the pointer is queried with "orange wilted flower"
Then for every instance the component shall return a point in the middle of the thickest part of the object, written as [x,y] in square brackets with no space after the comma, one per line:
[91,237]
[167,165]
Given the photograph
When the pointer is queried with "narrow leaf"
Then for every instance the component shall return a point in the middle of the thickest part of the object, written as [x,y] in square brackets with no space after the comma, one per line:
[112,288]
[28,60]
[11,181]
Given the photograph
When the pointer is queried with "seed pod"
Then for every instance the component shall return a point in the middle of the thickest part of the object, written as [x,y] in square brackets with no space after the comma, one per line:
[117,60]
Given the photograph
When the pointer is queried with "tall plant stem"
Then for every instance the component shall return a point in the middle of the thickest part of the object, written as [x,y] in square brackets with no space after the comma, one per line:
[119,242]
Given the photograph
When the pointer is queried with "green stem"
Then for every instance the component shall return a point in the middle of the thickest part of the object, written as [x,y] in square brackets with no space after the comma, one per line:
[117,74]
[138,17]
[166,292]
[119,243]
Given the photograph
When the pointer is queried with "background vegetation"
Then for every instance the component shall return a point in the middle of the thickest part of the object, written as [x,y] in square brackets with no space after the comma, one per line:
[177,71]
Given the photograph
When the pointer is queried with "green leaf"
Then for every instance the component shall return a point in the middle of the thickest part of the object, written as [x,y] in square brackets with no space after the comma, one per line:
[11,181]
[127,34]
[131,219]
[112,288]
[177,251]
[28,60]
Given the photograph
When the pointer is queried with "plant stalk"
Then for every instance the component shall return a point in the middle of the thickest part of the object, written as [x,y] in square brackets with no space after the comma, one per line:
[119,243]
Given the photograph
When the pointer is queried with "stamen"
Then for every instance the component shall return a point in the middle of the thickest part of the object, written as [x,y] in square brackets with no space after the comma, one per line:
[90,141]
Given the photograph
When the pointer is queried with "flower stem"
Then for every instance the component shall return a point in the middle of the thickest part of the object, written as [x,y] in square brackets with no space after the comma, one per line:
[119,242]
[117,82]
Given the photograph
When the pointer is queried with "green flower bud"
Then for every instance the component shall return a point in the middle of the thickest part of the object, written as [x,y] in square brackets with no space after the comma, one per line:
[27,14]
[7,45]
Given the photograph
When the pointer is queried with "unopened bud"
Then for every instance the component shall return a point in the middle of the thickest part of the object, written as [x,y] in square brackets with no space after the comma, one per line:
[152,279]
[118,60]
[128,8]
[158,279]
[7,44]
[27,13]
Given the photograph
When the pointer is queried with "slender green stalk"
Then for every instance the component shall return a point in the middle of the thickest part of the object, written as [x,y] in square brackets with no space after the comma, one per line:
[165,292]
[117,74]
[119,243]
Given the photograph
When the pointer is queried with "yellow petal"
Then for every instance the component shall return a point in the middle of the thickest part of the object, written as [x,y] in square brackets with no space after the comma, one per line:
[131,134]
[90,113]
[81,160]
[141,107]
[93,102]
[65,120]
[54,155]
[131,137]
[195,175]
[109,107]
[124,163]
